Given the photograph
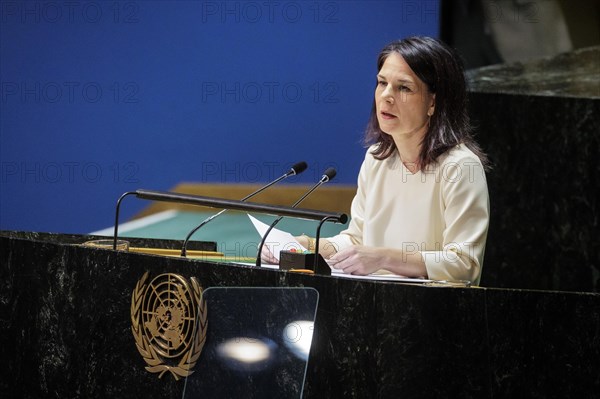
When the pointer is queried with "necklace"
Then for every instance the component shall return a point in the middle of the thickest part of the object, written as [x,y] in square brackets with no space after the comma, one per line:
[413,166]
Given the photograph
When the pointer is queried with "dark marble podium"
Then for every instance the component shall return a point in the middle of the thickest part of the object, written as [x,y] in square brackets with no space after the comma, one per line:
[540,124]
[65,330]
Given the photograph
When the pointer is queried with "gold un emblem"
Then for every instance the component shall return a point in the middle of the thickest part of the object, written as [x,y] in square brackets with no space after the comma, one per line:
[168,321]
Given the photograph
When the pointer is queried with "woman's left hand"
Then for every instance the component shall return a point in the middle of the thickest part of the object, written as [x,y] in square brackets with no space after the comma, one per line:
[362,260]
[357,259]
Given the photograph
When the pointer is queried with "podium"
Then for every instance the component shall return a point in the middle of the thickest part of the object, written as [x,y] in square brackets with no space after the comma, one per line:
[257,340]
[69,314]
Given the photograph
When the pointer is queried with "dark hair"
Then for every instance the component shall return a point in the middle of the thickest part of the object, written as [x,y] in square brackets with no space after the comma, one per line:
[441,70]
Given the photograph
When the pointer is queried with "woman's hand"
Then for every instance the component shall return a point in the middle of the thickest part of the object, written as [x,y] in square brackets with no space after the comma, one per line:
[357,259]
[363,260]
[267,257]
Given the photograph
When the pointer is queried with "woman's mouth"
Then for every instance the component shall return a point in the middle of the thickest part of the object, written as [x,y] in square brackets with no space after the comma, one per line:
[386,115]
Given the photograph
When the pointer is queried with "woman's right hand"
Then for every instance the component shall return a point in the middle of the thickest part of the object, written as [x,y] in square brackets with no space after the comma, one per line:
[267,257]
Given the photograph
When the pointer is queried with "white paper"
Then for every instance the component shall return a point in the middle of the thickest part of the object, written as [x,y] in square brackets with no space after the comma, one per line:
[340,273]
[278,240]
[380,277]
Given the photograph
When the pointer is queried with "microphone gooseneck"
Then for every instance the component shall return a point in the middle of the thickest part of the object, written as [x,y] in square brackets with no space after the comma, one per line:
[328,175]
[296,169]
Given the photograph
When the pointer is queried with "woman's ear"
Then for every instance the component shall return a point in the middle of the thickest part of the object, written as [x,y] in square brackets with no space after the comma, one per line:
[431,109]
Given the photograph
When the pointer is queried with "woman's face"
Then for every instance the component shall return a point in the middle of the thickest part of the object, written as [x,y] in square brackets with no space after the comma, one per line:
[402,100]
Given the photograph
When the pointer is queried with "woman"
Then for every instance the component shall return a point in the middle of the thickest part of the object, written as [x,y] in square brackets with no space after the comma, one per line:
[421,207]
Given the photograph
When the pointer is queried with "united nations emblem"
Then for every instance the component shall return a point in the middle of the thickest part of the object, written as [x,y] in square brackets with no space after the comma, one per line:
[168,321]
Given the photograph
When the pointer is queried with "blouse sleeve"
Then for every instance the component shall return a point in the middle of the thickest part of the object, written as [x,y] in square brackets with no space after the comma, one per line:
[353,235]
[465,202]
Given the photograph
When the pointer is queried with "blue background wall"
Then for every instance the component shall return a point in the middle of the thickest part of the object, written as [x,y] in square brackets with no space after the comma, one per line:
[102,97]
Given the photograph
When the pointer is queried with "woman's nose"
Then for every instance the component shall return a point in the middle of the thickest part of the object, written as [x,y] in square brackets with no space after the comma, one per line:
[387,94]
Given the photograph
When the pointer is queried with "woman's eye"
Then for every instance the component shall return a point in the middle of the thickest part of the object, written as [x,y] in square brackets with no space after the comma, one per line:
[404,88]
[381,83]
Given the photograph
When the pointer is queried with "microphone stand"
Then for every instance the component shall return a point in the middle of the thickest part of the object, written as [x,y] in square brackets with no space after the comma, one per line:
[317,237]
[227,204]
[329,174]
[296,169]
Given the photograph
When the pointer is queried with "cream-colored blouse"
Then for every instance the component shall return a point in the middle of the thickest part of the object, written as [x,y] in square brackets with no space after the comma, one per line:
[442,212]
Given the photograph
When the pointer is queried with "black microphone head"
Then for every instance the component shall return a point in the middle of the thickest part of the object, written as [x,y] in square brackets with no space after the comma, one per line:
[298,168]
[328,175]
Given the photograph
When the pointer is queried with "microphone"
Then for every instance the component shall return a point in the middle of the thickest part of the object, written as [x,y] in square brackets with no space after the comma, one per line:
[294,170]
[328,175]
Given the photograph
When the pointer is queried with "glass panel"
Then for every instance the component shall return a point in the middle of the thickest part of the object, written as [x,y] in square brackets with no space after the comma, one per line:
[256,343]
